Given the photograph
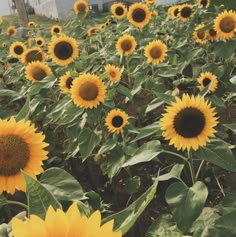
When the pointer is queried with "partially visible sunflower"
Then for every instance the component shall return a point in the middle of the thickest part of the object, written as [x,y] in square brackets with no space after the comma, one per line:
[34,54]
[205,79]
[17,49]
[11,31]
[31,41]
[139,15]
[55,29]
[118,10]
[88,91]
[81,7]
[114,73]
[189,122]
[186,12]
[92,31]
[126,45]
[30,32]
[150,2]
[63,50]
[203,3]
[40,41]
[212,35]
[32,24]
[4,44]
[1,20]
[198,35]
[116,120]
[37,71]
[65,82]
[21,148]
[174,12]
[154,13]
[155,52]
[225,25]
[102,26]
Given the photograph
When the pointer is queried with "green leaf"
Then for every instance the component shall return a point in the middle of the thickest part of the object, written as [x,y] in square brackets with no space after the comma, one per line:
[233,80]
[3,200]
[24,112]
[107,146]
[228,204]
[133,184]
[185,203]
[174,173]
[8,93]
[3,230]
[225,49]
[232,127]
[124,91]
[216,101]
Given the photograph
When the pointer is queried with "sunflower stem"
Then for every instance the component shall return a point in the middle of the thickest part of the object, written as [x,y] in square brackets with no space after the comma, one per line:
[191,167]
[10,202]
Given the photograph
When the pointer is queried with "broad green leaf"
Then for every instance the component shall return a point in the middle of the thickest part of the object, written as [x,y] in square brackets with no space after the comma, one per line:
[8,93]
[232,127]
[216,101]
[3,230]
[133,184]
[124,91]
[24,112]
[174,173]
[228,204]
[108,145]
[225,49]
[233,80]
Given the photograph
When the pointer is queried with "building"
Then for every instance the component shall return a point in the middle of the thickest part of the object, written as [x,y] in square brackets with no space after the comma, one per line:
[6,7]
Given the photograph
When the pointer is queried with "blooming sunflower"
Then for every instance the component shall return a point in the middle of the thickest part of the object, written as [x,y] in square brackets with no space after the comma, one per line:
[189,122]
[185,12]
[17,49]
[11,31]
[88,91]
[81,7]
[34,54]
[32,24]
[21,148]
[92,31]
[55,29]
[174,11]
[205,79]
[212,35]
[155,52]
[198,35]
[139,15]
[4,44]
[118,10]
[126,45]
[40,41]
[65,82]
[116,120]
[114,73]
[63,50]
[203,3]
[69,224]
[37,71]
[225,25]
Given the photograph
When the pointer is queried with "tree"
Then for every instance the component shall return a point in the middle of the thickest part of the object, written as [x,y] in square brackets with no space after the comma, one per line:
[22,14]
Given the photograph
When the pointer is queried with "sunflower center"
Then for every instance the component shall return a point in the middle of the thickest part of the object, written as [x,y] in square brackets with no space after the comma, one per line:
[126,45]
[11,32]
[38,74]
[39,42]
[34,55]
[155,52]
[176,12]
[112,74]
[63,50]
[201,34]
[81,7]
[88,91]
[138,15]
[227,24]
[203,2]
[186,12]
[212,32]
[206,81]
[56,30]
[189,122]
[119,11]
[69,82]
[117,121]
[18,50]
[14,154]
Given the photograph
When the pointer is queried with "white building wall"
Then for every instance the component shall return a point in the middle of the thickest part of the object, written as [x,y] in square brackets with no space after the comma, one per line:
[46,8]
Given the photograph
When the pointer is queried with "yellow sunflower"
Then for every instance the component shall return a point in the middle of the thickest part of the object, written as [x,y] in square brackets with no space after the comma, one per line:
[31,41]
[56,29]
[119,10]
[139,15]
[225,25]
[81,7]
[155,52]
[40,41]
[198,35]
[30,32]
[1,20]
[116,120]
[102,26]
[205,79]
[92,31]
[189,122]
[173,11]
[21,148]
[65,82]
[32,24]
[11,31]
[185,12]
[88,91]
[114,73]
[154,13]
[150,2]
[212,35]
[37,71]
[61,224]
[17,49]
[63,50]
[34,54]
[4,45]
[203,3]
[126,45]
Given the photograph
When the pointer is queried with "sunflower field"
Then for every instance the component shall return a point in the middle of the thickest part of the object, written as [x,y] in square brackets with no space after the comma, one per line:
[121,123]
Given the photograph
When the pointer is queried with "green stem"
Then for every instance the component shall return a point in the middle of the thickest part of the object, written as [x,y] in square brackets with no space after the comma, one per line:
[191,167]
[17,203]
[175,154]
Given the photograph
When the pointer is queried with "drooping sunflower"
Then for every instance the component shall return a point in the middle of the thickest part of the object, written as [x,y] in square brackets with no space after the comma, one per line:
[21,148]
[116,120]
[155,52]
[198,35]
[88,91]
[205,79]
[56,29]
[65,82]
[225,25]
[118,10]
[63,50]
[139,15]
[203,3]
[126,45]
[186,12]
[40,41]
[32,24]
[69,224]
[34,54]
[92,31]
[189,122]
[11,31]
[212,35]
[114,73]
[81,7]
[17,49]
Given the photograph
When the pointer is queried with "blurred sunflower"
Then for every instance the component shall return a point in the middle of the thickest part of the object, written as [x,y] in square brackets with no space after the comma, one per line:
[154,13]
[185,12]
[118,10]
[155,52]
[212,35]
[40,41]
[189,122]
[1,20]
[63,50]
[175,11]
[102,26]
[126,45]
[21,148]
[114,73]
[31,41]
[55,29]
[34,54]
[150,2]
[65,82]
[17,49]
[88,91]
[69,224]
[203,3]
[205,79]
[30,32]
[139,15]
[225,25]
[32,24]
[92,31]
[116,120]
[108,22]
[4,44]
[198,35]
[81,7]
[37,71]
[11,31]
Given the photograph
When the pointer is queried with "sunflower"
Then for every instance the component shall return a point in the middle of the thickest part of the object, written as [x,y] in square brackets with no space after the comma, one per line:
[81,7]
[189,122]
[198,35]
[40,41]
[4,45]
[63,50]
[17,49]
[102,26]
[126,45]
[88,91]
[139,15]
[37,71]
[116,120]
[185,12]
[154,13]
[225,25]
[21,148]
[32,24]
[175,11]
[11,31]
[30,32]
[69,224]
[212,35]
[203,3]
[114,73]
[108,22]
[119,10]
[205,79]
[1,20]
[56,29]
[31,41]
[34,54]
[155,52]
[65,82]
[92,31]
[150,2]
